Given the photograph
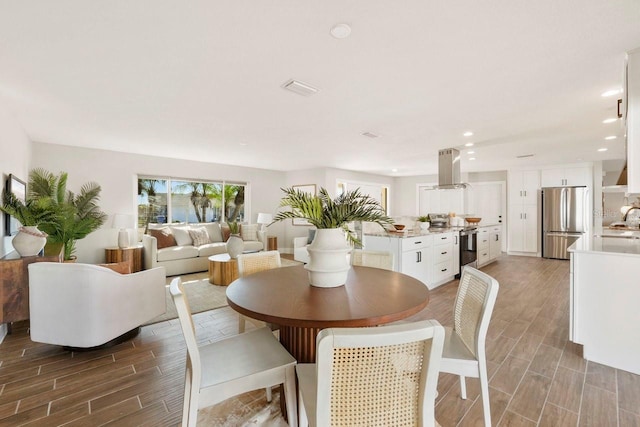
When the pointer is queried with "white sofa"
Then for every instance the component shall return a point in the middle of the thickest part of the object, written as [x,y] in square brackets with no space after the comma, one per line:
[187,257]
[84,305]
[300,252]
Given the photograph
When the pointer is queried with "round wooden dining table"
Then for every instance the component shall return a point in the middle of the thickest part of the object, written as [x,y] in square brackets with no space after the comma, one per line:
[283,296]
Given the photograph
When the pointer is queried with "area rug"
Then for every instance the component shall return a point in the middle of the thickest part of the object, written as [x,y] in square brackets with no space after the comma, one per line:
[201,294]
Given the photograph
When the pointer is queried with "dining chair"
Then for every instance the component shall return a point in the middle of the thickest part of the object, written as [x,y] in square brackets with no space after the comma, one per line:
[378,376]
[464,346]
[232,366]
[374,259]
[254,263]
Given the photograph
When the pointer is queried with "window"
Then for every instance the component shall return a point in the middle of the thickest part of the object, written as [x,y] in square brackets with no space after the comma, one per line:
[162,200]
[379,192]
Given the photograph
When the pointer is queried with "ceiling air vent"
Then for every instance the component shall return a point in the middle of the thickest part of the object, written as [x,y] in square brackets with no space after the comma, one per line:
[299,88]
[369,135]
[524,156]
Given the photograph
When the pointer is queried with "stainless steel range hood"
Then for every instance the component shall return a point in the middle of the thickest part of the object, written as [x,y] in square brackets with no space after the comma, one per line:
[449,169]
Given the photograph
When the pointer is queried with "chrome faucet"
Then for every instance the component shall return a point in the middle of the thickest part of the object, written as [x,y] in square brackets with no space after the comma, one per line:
[624,218]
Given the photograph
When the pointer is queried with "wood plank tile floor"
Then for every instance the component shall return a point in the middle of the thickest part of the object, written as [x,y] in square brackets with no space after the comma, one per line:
[536,375]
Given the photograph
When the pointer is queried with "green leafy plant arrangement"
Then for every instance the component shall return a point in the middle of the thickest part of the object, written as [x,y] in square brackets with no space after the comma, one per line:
[323,212]
[71,216]
[424,218]
[234,227]
[29,213]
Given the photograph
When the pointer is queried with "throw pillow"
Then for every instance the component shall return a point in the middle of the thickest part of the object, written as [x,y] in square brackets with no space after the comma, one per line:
[249,232]
[312,234]
[225,233]
[214,231]
[163,236]
[199,236]
[182,236]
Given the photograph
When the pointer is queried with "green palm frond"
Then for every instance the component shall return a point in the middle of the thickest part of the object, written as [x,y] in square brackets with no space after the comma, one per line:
[324,212]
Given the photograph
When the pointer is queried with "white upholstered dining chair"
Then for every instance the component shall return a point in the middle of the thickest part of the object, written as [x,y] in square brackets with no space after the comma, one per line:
[374,259]
[380,376]
[235,365]
[464,346]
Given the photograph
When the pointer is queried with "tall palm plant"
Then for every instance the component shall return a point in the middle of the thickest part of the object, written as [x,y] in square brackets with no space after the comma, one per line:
[74,216]
[323,212]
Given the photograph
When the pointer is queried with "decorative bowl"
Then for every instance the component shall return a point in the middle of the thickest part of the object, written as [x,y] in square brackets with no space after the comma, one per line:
[398,227]
[473,220]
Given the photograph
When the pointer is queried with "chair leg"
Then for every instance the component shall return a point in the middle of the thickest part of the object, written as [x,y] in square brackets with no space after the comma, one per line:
[302,414]
[190,409]
[268,390]
[290,396]
[241,323]
[484,391]
[463,387]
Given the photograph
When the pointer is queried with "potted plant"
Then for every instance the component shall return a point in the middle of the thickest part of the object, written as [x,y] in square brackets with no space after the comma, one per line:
[30,214]
[235,245]
[425,222]
[328,264]
[72,216]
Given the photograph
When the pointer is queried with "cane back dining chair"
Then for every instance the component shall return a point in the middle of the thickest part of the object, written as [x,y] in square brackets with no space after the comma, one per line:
[378,376]
[464,346]
[235,365]
[254,263]
[374,259]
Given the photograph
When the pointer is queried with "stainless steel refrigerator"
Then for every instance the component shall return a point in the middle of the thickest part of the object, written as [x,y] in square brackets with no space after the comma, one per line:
[564,219]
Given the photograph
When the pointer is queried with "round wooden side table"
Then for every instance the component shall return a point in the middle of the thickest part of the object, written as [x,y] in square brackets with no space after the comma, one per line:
[272,243]
[132,255]
[222,269]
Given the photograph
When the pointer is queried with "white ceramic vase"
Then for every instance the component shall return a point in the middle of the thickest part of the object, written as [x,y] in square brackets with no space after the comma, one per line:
[424,226]
[235,245]
[29,241]
[328,262]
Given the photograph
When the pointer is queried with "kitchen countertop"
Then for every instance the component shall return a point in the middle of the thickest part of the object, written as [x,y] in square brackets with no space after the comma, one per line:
[622,244]
[417,232]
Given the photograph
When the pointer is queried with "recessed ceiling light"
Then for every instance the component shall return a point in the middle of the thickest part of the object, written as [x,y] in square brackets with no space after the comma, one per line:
[244,144]
[340,31]
[602,149]
[612,92]
[467,133]
[610,137]
[611,120]
[394,170]
[470,152]
[472,158]
[469,144]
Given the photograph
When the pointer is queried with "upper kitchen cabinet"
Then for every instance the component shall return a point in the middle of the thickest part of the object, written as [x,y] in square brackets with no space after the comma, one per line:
[433,200]
[566,177]
[523,186]
[633,121]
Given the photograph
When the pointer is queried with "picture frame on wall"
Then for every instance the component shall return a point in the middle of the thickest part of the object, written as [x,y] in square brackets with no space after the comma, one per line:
[307,188]
[18,187]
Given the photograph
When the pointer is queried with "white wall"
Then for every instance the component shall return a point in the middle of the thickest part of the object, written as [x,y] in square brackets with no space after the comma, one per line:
[15,149]
[15,153]
[117,175]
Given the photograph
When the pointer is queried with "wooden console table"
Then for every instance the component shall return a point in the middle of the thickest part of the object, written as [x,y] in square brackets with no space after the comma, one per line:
[14,286]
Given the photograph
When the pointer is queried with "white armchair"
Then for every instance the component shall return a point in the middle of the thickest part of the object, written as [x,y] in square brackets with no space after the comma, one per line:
[300,252]
[85,305]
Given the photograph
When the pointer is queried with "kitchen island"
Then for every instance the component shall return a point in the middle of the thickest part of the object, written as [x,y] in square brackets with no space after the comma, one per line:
[431,256]
[605,299]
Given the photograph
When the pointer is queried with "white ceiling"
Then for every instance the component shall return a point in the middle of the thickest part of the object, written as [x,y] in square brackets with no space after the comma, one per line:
[202,79]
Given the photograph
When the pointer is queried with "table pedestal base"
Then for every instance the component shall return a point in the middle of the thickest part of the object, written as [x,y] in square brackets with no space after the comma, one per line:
[300,342]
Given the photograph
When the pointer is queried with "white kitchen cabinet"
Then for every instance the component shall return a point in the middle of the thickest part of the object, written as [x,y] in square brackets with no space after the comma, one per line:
[563,177]
[456,253]
[442,259]
[495,242]
[428,258]
[523,186]
[632,121]
[489,244]
[441,201]
[523,228]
